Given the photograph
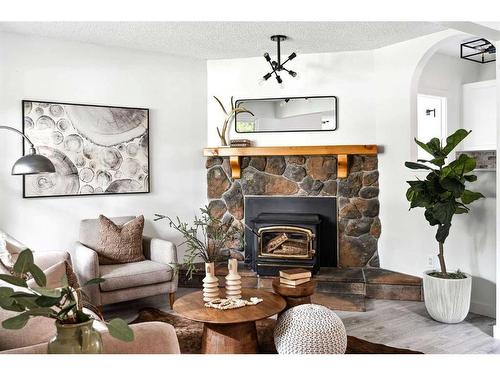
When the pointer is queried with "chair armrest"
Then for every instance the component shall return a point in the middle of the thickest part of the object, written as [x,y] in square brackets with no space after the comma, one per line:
[87,268]
[161,251]
[149,338]
[46,259]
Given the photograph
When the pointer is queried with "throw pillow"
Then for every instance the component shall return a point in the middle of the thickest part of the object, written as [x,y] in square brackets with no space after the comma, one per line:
[9,249]
[120,244]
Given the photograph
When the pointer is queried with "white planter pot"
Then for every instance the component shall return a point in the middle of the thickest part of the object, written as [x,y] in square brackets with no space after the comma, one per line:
[447,300]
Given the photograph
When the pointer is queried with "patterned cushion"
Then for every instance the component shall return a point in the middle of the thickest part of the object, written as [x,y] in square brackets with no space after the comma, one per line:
[310,329]
[120,243]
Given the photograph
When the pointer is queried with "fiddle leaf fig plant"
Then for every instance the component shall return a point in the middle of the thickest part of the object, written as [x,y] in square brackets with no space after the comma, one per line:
[63,304]
[443,193]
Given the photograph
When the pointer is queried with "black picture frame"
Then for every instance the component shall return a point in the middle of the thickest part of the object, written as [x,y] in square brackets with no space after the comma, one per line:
[336,105]
[148,135]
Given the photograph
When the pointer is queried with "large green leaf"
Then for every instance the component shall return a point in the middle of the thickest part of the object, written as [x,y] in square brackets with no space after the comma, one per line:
[443,232]
[453,140]
[464,164]
[470,178]
[5,291]
[16,322]
[430,217]
[443,211]
[44,301]
[14,280]
[119,329]
[27,301]
[435,145]
[48,292]
[38,275]
[41,311]
[424,146]
[24,262]
[470,196]
[453,185]
[413,165]
[95,281]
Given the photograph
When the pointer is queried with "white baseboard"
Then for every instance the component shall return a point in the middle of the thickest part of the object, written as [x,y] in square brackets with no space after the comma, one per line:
[483,309]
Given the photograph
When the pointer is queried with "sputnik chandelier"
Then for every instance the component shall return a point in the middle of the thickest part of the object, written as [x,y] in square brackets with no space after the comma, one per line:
[276,65]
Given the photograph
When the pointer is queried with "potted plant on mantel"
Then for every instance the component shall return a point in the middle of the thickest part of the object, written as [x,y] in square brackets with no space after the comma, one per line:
[443,194]
[63,304]
[205,239]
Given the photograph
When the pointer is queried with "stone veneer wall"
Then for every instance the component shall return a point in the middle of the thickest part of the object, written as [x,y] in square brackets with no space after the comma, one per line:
[357,195]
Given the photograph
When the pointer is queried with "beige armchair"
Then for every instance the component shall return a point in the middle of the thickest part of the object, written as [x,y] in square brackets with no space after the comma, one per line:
[150,338]
[128,281]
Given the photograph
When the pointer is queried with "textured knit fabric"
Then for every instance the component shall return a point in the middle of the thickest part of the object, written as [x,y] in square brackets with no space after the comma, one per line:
[120,243]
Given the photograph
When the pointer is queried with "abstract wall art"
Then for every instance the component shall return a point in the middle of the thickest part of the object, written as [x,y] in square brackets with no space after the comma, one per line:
[95,149]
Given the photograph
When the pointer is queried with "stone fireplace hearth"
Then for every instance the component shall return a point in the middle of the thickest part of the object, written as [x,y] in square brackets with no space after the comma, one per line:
[313,176]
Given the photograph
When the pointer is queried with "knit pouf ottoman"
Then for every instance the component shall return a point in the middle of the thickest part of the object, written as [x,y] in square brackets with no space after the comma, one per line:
[310,329]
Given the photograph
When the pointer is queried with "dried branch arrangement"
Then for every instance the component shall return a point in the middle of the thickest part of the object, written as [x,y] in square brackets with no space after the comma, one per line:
[229,117]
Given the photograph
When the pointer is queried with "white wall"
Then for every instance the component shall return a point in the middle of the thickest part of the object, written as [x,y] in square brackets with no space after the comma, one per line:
[444,75]
[174,90]
[348,75]
[407,240]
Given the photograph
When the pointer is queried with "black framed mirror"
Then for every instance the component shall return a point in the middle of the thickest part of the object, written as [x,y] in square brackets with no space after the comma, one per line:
[291,114]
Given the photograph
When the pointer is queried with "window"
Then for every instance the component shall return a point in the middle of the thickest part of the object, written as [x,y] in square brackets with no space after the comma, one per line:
[431,123]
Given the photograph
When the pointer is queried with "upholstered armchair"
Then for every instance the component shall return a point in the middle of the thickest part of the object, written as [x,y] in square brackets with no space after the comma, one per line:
[128,281]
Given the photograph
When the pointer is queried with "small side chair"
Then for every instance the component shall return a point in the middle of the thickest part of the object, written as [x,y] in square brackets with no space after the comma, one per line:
[128,281]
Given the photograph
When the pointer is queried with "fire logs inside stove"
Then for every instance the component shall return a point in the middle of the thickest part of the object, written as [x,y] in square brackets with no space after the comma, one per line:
[286,242]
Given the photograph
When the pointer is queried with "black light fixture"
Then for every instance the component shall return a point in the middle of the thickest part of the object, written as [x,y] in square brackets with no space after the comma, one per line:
[480,50]
[276,65]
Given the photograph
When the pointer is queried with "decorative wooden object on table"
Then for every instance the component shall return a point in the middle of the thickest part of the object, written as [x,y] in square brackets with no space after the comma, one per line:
[235,153]
[210,283]
[233,280]
[229,331]
[295,295]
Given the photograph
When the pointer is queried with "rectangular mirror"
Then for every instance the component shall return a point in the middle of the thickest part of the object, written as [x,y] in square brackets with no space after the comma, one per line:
[297,114]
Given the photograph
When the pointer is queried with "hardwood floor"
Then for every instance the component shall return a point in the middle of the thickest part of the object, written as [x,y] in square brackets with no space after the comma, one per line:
[403,324]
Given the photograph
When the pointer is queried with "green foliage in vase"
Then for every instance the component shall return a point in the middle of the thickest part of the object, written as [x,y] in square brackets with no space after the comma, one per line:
[443,192]
[205,238]
[62,304]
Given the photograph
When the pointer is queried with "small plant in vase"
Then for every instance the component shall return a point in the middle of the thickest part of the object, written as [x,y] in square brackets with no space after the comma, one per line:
[63,304]
[442,195]
[205,239]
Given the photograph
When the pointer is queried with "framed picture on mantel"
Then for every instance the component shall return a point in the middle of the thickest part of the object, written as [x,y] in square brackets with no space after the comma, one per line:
[96,150]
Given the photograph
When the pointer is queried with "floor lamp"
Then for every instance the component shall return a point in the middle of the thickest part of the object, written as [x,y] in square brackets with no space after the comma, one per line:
[32,163]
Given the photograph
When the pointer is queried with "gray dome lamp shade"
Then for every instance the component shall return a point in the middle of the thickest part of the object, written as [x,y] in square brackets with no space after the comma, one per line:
[32,163]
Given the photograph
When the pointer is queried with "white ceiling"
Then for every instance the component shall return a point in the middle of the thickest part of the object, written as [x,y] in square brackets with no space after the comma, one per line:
[219,40]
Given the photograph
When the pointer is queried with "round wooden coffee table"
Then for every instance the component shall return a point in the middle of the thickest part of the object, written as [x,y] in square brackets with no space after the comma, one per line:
[229,331]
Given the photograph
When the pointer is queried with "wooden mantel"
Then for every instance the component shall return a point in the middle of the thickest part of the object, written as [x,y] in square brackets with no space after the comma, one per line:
[235,154]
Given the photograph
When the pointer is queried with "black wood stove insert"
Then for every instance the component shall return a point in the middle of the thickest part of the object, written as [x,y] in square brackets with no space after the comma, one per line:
[290,232]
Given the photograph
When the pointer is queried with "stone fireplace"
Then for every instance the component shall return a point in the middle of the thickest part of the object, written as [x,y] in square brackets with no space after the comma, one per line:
[356,202]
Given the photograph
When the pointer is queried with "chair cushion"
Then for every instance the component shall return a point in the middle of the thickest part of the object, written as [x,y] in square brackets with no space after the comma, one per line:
[130,275]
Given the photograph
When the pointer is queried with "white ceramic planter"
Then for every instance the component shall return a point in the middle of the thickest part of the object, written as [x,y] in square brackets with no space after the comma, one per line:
[447,300]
